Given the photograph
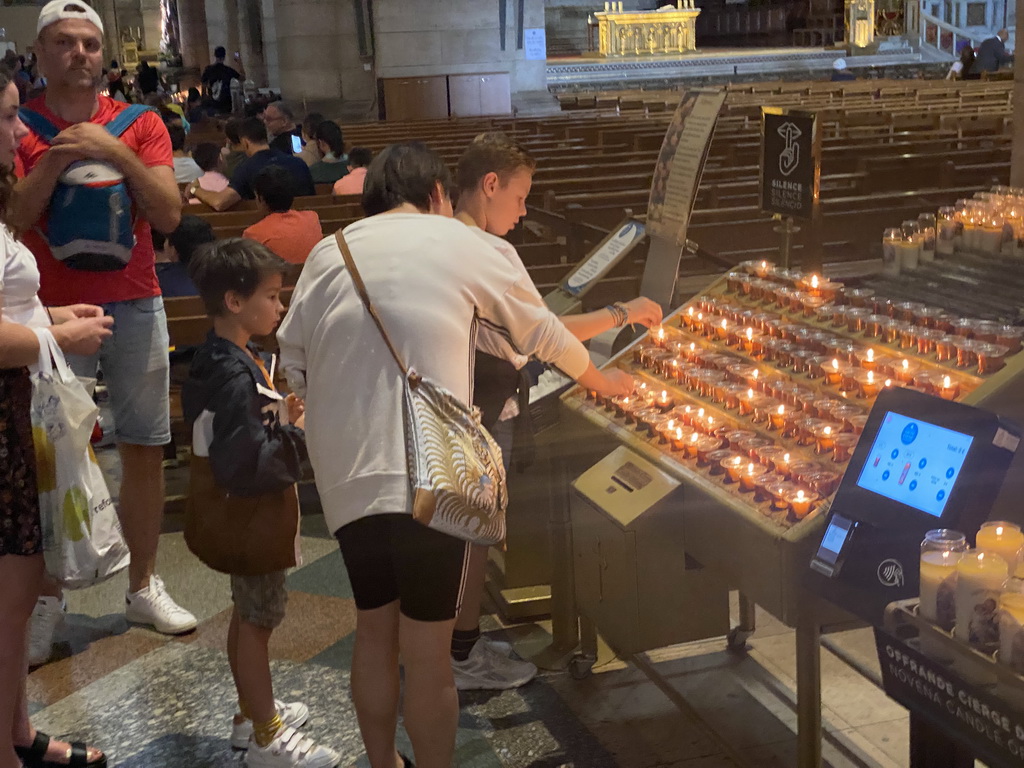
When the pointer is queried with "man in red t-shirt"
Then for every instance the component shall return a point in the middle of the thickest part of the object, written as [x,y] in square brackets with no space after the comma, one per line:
[134,360]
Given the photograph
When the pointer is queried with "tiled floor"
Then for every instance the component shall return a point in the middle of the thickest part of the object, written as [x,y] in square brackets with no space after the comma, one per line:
[153,702]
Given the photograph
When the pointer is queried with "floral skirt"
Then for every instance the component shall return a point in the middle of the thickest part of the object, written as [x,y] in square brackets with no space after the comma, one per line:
[20,528]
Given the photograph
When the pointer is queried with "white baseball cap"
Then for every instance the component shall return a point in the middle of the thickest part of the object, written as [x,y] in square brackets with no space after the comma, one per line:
[58,10]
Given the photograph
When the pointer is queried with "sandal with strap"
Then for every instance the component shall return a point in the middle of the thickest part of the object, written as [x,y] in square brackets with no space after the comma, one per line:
[34,756]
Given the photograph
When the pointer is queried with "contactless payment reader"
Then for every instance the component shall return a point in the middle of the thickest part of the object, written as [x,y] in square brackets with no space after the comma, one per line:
[921,463]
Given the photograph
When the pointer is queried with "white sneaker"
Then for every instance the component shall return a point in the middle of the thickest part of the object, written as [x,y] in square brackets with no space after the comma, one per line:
[46,617]
[291,750]
[293,715]
[499,647]
[152,605]
[486,670]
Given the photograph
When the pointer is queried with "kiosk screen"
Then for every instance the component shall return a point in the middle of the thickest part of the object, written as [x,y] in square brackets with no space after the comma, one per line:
[914,462]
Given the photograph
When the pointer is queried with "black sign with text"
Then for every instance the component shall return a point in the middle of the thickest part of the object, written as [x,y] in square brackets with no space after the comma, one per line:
[790,163]
[984,724]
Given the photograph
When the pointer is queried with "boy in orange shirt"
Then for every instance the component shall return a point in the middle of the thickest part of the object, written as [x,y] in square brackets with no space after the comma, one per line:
[288,233]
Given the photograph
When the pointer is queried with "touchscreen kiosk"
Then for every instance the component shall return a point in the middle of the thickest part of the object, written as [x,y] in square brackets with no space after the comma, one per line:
[921,463]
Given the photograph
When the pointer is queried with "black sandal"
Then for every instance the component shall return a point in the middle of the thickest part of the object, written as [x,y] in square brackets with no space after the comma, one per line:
[34,756]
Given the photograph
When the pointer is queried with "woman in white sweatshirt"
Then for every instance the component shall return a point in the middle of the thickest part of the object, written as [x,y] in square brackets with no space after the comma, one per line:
[432,281]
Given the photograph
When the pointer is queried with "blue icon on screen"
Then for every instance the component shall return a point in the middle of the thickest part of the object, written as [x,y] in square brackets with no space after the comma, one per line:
[913,485]
[950,472]
[940,495]
[885,475]
[921,463]
[909,433]
[895,453]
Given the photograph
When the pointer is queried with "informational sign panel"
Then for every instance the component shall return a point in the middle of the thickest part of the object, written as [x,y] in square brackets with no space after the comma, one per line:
[598,263]
[790,162]
[535,44]
[681,163]
[966,713]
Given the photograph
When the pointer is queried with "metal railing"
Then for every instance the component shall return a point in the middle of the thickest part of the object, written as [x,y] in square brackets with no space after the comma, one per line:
[941,36]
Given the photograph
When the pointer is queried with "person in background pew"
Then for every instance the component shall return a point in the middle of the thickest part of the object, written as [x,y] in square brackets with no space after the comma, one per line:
[208,158]
[331,143]
[288,233]
[253,137]
[963,68]
[280,121]
[232,152]
[840,73]
[493,178]
[186,170]
[311,154]
[175,251]
[992,55]
[359,160]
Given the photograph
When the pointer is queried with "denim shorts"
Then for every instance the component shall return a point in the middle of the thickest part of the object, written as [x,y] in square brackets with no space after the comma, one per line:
[136,371]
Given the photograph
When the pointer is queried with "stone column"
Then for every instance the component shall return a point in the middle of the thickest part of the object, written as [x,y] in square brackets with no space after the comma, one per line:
[111,32]
[308,49]
[270,44]
[1017,151]
[222,26]
[195,44]
[250,37]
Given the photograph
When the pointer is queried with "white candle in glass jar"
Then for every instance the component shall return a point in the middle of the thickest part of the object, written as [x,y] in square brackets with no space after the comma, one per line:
[938,588]
[980,578]
[1003,539]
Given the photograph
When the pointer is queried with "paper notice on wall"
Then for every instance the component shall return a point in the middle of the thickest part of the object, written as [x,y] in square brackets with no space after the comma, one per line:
[535,44]
[681,163]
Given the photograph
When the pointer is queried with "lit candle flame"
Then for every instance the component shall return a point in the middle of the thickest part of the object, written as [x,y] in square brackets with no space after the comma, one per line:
[750,468]
[661,333]
[700,315]
[827,431]
[835,364]
[690,311]
[906,364]
[755,374]
[750,393]
[999,530]
[625,400]
[737,460]
[693,346]
[724,324]
[694,437]
[945,382]
[785,457]
[800,495]
[814,281]
[664,396]
[671,425]
[750,334]
[871,355]
[764,265]
[711,421]
[687,409]
[888,382]
[679,433]
[782,410]
[700,413]
[871,377]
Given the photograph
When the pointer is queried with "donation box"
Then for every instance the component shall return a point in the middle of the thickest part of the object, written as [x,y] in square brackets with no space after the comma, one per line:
[633,577]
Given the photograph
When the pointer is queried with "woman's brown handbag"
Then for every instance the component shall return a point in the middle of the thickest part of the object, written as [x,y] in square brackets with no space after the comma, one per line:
[240,535]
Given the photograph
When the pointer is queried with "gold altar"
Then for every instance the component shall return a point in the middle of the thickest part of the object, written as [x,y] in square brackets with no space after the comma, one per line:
[648,33]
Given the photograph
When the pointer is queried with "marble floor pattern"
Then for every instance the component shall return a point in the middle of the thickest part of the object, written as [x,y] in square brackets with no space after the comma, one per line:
[156,702]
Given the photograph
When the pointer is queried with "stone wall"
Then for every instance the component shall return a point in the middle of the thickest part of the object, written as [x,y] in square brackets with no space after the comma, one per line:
[20,23]
[425,37]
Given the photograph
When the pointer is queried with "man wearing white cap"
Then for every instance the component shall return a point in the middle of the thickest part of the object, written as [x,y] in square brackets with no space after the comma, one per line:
[839,71]
[134,361]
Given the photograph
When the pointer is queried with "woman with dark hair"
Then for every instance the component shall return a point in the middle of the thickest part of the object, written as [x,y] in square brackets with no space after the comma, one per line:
[78,330]
[432,281]
[208,157]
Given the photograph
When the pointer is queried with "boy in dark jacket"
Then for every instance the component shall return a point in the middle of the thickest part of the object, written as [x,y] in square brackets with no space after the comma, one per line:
[249,442]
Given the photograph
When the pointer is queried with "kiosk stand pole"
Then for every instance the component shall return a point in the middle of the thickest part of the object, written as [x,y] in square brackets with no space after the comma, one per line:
[565,635]
[808,693]
[787,229]
[930,748]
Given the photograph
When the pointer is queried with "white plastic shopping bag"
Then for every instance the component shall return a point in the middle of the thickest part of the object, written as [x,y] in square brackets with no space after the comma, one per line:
[82,540]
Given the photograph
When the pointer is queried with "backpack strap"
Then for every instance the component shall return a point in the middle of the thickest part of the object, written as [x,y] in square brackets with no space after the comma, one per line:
[38,124]
[126,117]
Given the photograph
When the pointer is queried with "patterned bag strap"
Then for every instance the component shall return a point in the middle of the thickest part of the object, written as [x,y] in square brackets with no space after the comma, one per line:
[357,279]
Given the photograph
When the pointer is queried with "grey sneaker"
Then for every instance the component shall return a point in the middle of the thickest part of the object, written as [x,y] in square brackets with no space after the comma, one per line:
[488,670]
